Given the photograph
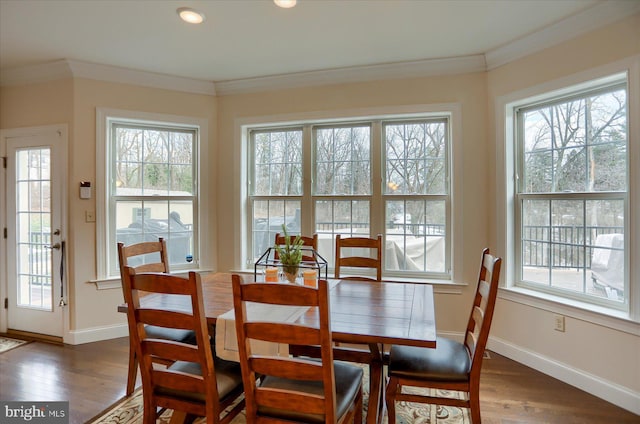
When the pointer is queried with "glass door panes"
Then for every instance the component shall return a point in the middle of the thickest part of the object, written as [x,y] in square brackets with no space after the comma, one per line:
[33,228]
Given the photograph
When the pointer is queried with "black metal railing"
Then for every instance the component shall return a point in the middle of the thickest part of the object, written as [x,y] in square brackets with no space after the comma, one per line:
[561,246]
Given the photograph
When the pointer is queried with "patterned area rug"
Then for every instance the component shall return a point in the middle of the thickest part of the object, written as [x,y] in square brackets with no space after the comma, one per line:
[7,344]
[130,411]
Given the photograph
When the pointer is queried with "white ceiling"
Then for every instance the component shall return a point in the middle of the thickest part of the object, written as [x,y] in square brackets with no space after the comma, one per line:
[253,38]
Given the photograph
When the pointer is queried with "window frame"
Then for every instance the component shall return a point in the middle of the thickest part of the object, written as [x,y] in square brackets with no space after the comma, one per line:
[451,112]
[623,320]
[107,261]
[584,91]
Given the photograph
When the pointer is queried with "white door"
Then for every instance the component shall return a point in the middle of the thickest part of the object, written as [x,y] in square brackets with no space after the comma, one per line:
[35,237]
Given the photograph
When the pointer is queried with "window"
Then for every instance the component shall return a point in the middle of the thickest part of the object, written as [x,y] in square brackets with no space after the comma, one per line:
[322,178]
[151,173]
[571,203]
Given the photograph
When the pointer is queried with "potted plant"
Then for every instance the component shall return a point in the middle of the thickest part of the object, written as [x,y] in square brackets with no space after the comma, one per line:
[290,255]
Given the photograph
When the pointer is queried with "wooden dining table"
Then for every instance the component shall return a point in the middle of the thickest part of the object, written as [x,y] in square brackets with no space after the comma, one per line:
[366,313]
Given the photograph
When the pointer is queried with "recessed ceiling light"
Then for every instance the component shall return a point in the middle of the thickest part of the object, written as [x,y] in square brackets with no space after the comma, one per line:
[286,4]
[190,15]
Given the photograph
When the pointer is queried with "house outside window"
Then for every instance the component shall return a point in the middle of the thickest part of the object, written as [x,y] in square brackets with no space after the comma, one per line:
[571,202]
[322,178]
[151,192]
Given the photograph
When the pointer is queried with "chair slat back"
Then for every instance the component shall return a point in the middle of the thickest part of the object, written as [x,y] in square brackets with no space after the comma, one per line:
[259,398]
[128,254]
[157,380]
[374,261]
[306,241]
[481,315]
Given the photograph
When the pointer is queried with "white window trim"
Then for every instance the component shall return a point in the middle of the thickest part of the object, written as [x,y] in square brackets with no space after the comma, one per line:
[505,177]
[103,116]
[241,201]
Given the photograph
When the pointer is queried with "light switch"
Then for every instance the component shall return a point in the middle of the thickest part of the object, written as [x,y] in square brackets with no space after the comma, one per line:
[89,216]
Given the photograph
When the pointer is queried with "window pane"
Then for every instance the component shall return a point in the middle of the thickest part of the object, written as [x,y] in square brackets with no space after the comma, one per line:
[277,157]
[147,220]
[268,218]
[577,145]
[580,250]
[343,164]
[153,162]
[415,236]
[344,217]
[536,237]
[416,158]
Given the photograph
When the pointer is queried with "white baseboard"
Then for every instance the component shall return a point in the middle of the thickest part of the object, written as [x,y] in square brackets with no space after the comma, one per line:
[597,386]
[96,334]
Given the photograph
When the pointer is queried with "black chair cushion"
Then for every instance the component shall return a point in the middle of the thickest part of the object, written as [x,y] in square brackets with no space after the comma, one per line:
[184,336]
[348,379]
[228,378]
[449,361]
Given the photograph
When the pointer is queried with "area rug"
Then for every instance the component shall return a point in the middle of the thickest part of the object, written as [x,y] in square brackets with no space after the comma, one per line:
[130,411]
[7,343]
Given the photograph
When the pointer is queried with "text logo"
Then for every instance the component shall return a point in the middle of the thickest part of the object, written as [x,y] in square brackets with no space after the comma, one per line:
[34,412]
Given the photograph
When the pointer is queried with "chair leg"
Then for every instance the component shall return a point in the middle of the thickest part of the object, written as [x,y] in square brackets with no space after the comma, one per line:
[149,414]
[357,417]
[133,370]
[390,399]
[474,406]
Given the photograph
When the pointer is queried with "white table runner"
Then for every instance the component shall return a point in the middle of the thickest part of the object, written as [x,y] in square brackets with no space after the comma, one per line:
[227,340]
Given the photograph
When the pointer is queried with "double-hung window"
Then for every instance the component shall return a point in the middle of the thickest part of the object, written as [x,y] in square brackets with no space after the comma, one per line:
[363,178]
[150,190]
[571,203]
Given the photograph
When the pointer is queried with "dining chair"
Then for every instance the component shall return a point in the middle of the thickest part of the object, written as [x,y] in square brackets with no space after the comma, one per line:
[306,241]
[293,389]
[374,261]
[451,365]
[196,383]
[361,354]
[150,256]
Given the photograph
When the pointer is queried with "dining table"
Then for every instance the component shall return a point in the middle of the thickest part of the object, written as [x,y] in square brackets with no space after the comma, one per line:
[363,313]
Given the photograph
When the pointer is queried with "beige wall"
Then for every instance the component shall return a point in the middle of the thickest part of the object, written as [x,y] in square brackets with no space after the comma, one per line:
[37,104]
[598,350]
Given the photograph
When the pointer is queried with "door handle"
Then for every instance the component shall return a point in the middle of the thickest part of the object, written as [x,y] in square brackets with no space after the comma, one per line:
[55,246]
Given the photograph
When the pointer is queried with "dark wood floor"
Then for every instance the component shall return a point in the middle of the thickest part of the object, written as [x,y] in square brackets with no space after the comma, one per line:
[92,377]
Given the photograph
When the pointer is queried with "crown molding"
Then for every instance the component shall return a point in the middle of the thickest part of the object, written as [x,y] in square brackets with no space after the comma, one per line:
[600,15]
[77,69]
[141,78]
[397,70]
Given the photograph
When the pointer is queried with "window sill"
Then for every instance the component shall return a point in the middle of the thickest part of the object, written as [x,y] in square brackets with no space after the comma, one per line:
[611,318]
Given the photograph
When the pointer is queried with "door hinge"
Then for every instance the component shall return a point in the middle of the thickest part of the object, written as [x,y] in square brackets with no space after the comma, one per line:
[6,303]
[4,162]
[4,233]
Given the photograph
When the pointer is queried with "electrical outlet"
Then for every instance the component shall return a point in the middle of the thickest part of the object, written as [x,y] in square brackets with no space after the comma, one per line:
[559,323]
[89,216]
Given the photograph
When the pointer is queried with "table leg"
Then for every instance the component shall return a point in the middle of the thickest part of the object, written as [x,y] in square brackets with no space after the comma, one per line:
[376,386]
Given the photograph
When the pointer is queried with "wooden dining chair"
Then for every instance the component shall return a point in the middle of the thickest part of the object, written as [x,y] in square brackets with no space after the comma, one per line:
[374,261]
[451,365]
[293,389]
[151,256]
[362,354]
[311,242]
[196,383]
